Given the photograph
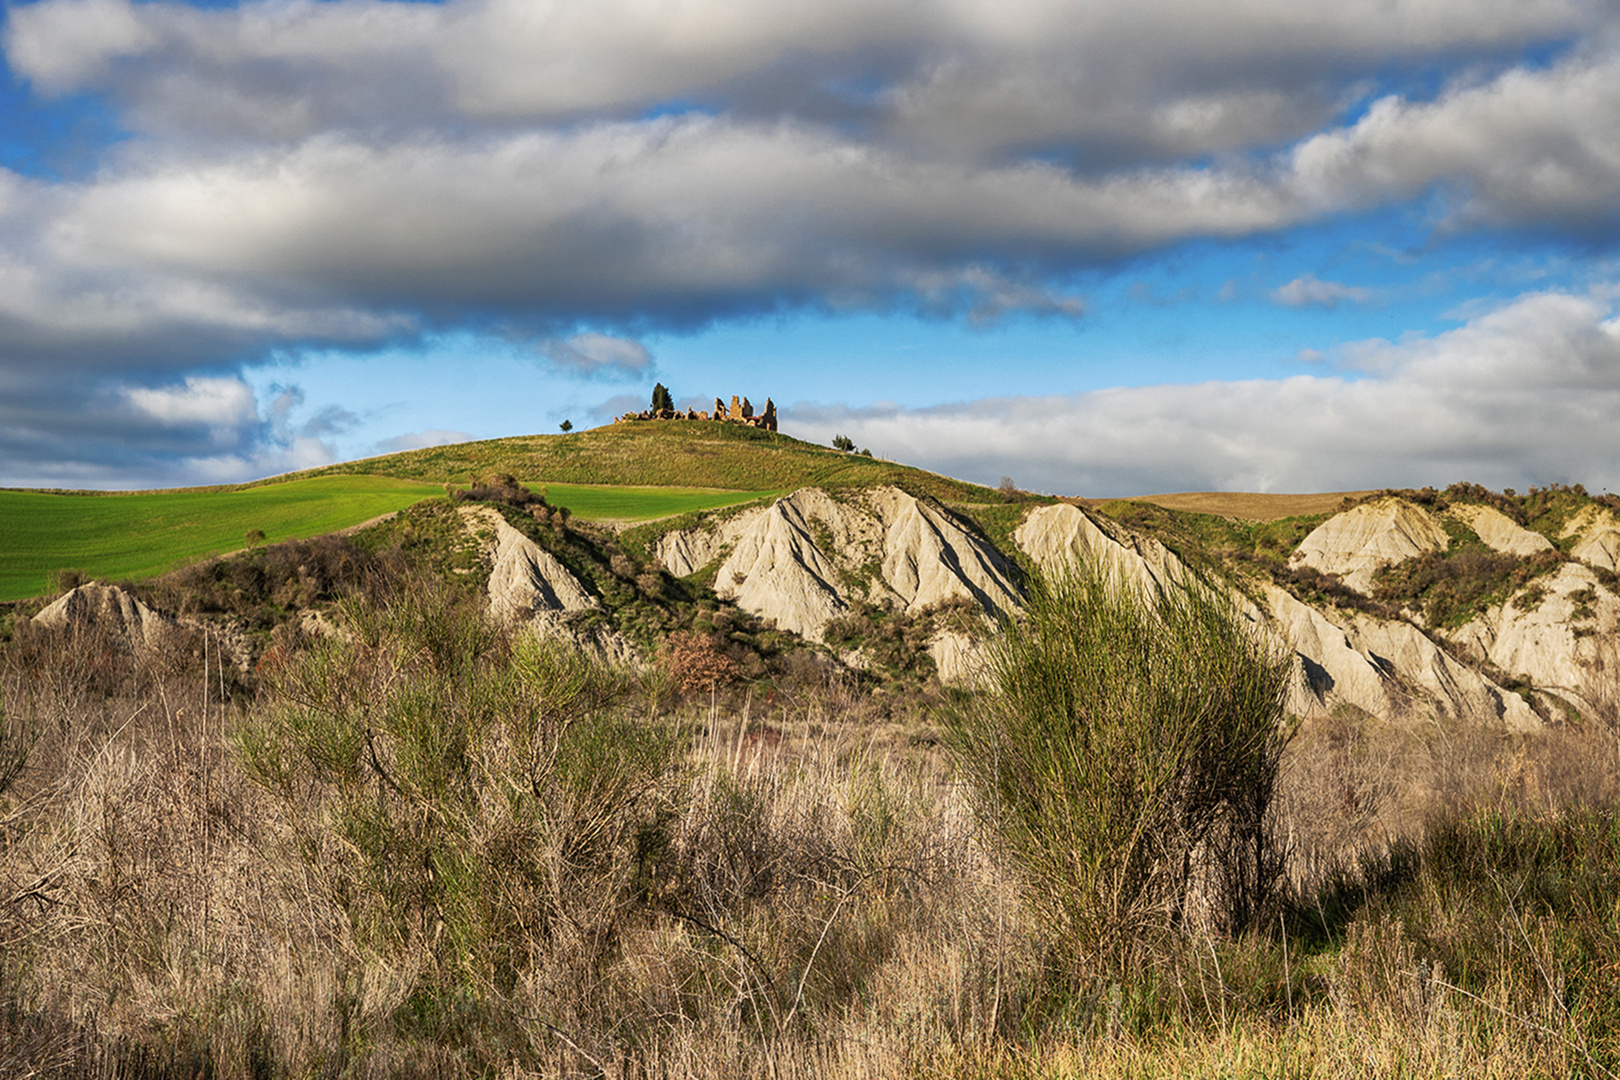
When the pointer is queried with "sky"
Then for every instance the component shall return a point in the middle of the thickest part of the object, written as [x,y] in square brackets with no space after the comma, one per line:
[1101,248]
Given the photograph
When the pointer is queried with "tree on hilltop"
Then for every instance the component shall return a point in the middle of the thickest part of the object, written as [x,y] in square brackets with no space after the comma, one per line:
[661,400]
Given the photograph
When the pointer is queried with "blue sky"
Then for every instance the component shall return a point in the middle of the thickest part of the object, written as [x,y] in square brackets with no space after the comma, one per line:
[1104,249]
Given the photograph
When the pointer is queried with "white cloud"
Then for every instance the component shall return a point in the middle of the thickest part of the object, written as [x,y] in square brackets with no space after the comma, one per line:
[420,440]
[223,405]
[354,173]
[593,354]
[1527,394]
[1311,291]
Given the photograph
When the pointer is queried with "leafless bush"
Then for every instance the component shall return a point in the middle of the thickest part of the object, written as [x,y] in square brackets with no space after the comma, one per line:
[695,663]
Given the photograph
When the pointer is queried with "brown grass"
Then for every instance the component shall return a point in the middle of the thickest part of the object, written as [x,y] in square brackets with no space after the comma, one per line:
[827,908]
[1252,506]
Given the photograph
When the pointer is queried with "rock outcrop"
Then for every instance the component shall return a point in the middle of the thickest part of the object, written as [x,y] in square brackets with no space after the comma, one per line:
[1355,544]
[1598,534]
[529,586]
[524,577]
[1384,667]
[1057,535]
[1553,633]
[109,609]
[807,558]
[1500,532]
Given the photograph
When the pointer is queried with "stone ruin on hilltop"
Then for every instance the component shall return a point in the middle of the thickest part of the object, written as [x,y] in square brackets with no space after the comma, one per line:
[740,412]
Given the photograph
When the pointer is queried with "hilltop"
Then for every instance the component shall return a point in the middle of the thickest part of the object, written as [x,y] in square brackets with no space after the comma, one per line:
[670,453]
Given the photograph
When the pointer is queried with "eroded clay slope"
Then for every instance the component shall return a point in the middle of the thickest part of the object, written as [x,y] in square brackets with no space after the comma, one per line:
[108,609]
[1598,534]
[1354,544]
[524,577]
[529,586]
[806,558]
[777,570]
[1061,534]
[1500,532]
[1383,667]
[1556,632]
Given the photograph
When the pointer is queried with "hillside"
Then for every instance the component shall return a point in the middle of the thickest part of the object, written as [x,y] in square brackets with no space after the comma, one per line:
[620,473]
[142,534]
[671,453]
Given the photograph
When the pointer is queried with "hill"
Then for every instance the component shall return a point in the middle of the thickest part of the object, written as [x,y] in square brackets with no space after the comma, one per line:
[621,473]
[668,453]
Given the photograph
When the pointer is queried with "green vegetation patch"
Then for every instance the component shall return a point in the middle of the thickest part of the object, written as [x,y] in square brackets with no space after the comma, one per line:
[599,502]
[128,536]
[1453,586]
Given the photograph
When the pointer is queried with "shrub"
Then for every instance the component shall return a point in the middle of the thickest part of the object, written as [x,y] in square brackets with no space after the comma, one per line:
[1125,754]
[696,664]
[482,806]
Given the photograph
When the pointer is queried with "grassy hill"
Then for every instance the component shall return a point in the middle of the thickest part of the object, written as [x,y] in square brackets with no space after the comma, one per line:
[623,472]
[670,453]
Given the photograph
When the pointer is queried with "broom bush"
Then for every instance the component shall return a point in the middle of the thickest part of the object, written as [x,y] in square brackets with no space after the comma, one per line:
[1125,753]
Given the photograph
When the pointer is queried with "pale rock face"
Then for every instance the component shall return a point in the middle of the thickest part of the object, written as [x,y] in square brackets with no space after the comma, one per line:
[1600,547]
[1330,669]
[1375,664]
[808,557]
[776,570]
[1500,532]
[1538,639]
[1062,534]
[524,577]
[688,551]
[1599,533]
[528,586]
[958,659]
[1370,663]
[1356,543]
[928,558]
[107,607]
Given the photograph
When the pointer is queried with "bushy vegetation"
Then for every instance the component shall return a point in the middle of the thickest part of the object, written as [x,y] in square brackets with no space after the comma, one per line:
[425,846]
[1125,755]
[407,842]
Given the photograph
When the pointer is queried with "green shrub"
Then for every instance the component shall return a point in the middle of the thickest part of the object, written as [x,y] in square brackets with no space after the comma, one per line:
[481,802]
[1125,753]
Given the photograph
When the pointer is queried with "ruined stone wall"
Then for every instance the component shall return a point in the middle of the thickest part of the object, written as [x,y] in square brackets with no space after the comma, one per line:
[740,411]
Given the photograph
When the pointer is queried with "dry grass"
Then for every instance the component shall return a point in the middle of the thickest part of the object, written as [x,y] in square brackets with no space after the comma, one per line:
[1252,506]
[819,903]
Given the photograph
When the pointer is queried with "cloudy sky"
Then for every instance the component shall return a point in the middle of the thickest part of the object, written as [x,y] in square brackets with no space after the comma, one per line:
[1100,247]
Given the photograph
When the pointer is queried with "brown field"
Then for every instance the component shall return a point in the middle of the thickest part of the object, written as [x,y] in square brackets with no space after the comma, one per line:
[1250,506]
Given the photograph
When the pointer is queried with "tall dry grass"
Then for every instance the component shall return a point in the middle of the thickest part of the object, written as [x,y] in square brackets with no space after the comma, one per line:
[368,870]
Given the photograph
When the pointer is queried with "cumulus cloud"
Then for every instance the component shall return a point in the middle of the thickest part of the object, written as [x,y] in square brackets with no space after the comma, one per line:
[593,354]
[1310,291]
[1527,394]
[354,173]
[420,440]
[200,429]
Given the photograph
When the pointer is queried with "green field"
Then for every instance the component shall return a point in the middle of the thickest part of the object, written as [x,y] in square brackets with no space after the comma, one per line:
[622,472]
[599,502]
[119,536]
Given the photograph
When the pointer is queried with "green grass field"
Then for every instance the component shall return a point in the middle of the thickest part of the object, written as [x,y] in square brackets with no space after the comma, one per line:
[596,502]
[119,536]
[622,472]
